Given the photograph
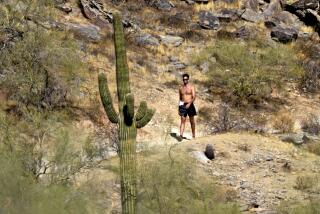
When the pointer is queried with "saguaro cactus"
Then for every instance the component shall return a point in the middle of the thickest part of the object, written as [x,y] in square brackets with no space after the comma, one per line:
[127,121]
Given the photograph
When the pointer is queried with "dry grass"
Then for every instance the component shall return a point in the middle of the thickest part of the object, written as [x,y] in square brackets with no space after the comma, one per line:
[283,121]
[212,6]
[314,147]
[305,182]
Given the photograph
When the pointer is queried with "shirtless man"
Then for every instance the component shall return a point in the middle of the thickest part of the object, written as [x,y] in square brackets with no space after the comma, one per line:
[187,95]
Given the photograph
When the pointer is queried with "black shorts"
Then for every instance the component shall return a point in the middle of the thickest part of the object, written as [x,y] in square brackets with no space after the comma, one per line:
[191,111]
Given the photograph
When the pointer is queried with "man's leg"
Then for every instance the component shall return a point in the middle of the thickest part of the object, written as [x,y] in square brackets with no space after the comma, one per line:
[182,125]
[193,126]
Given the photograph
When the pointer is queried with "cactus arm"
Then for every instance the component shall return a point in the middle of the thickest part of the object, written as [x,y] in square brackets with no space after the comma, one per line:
[146,118]
[141,110]
[106,99]
[121,61]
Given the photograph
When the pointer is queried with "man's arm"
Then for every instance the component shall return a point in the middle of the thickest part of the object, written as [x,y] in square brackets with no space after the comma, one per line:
[193,94]
[180,94]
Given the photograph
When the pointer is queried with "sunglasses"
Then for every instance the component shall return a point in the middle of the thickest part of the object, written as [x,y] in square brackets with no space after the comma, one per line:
[185,79]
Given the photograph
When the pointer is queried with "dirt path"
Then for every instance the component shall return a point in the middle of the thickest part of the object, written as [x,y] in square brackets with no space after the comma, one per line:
[262,170]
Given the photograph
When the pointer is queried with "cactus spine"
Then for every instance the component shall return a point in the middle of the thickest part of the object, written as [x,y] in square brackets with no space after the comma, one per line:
[127,121]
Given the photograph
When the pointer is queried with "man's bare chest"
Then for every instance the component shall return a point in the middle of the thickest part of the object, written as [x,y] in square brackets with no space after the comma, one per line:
[186,90]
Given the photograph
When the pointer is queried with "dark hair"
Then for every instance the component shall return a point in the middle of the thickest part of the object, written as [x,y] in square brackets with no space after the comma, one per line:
[185,75]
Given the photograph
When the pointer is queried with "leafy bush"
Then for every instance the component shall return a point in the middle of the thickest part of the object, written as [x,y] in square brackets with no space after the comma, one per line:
[35,178]
[178,186]
[39,67]
[249,71]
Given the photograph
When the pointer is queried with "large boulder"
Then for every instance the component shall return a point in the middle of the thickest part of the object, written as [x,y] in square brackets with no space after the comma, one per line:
[227,15]
[208,21]
[171,40]
[296,139]
[147,40]
[302,5]
[93,10]
[87,32]
[273,8]
[252,16]
[160,4]
[284,19]
[284,35]
[307,11]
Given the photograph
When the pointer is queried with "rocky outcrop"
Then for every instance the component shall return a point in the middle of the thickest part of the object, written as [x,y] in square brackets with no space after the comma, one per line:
[164,5]
[252,16]
[146,40]
[308,11]
[208,21]
[227,15]
[9,36]
[169,40]
[93,10]
[273,8]
[87,32]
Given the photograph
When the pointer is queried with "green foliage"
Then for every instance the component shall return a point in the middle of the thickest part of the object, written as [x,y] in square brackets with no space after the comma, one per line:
[26,185]
[249,70]
[179,186]
[38,68]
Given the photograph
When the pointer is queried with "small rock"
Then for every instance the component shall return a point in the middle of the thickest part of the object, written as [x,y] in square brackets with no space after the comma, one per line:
[296,139]
[242,32]
[200,156]
[64,7]
[244,184]
[284,35]
[209,151]
[205,67]
[190,2]
[269,158]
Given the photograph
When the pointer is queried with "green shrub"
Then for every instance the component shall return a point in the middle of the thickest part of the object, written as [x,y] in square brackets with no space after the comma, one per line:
[179,186]
[24,154]
[39,67]
[249,71]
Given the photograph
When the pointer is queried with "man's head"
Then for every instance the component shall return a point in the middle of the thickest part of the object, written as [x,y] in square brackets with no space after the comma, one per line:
[185,79]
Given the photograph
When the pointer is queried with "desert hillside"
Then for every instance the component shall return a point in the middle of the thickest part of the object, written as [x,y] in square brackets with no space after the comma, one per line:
[255,67]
